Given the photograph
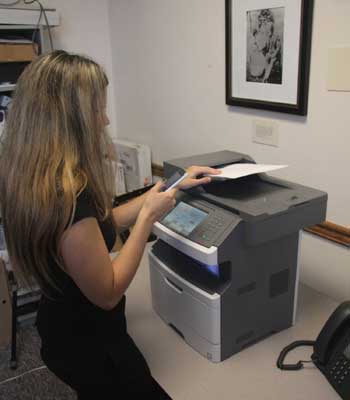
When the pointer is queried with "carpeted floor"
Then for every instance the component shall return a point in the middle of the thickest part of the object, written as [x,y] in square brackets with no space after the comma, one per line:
[31,380]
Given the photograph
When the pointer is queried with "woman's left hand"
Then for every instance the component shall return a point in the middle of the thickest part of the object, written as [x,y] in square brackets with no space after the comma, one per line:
[195,171]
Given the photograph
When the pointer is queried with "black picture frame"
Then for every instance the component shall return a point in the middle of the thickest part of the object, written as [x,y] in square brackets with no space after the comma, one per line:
[300,106]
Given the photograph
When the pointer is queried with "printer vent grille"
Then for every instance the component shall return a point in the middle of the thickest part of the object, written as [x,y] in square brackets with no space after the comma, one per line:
[279,283]
[246,289]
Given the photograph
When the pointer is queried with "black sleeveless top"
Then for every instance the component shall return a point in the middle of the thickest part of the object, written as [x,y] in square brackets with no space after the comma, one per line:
[68,322]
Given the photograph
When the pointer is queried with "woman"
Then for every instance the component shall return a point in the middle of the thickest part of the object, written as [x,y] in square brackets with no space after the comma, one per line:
[56,188]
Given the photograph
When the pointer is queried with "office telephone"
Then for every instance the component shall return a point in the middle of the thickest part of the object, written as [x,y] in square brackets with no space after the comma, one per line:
[331,351]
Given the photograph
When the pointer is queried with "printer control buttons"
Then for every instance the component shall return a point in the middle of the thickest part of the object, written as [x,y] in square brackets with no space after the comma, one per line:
[217,222]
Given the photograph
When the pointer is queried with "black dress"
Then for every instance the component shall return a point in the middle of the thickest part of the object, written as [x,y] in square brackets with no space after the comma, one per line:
[88,347]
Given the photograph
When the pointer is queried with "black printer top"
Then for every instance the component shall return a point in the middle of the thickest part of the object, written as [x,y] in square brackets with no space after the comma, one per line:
[251,197]
[216,159]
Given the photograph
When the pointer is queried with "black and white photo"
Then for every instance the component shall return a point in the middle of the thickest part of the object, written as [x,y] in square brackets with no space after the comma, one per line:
[265,45]
[268,50]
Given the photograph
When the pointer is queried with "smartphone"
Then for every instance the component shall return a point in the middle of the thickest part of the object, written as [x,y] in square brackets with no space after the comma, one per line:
[174,180]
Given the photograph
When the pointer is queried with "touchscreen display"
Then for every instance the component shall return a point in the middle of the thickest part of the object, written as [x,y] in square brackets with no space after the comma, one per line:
[184,218]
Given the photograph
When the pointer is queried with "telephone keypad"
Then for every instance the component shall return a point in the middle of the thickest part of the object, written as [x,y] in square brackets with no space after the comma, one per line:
[340,371]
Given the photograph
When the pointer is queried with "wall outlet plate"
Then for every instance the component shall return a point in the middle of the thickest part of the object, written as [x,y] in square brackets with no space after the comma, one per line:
[265,132]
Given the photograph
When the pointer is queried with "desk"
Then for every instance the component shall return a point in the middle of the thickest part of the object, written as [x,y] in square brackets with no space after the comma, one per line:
[249,375]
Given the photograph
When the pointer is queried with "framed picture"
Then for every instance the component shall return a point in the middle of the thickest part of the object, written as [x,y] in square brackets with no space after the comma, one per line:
[268,47]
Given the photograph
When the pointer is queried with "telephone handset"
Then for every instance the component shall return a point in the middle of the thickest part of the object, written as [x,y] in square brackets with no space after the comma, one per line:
[338,322]
[331,351]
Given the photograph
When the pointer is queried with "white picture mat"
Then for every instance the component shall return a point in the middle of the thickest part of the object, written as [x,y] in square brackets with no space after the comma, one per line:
[286,92]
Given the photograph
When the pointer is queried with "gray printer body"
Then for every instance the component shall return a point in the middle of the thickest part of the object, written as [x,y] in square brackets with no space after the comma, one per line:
[224,270]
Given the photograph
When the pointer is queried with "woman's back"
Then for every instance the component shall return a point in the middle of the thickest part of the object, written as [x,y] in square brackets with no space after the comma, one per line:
[68,313]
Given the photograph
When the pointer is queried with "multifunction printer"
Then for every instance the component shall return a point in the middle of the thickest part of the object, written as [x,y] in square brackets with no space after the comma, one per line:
[224,270]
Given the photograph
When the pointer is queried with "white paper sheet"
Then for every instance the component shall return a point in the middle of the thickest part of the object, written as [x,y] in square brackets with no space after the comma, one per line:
[235,171]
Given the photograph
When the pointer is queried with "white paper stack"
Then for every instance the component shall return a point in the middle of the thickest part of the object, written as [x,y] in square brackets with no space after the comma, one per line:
[234,171]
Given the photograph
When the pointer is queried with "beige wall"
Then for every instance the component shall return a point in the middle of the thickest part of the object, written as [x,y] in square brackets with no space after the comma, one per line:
[169,72]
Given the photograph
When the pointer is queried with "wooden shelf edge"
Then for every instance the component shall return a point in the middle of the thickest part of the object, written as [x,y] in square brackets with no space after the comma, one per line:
[327,230]
[157,170]
[331,231]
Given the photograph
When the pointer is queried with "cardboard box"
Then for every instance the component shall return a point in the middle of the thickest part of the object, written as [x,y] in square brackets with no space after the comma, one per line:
[18,52]
[5,309]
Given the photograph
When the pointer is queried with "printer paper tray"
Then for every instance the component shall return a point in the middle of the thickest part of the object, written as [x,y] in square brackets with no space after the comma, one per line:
[182,304]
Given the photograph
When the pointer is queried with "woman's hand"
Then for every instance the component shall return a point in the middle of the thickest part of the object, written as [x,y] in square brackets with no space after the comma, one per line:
[158,203]
[193,172]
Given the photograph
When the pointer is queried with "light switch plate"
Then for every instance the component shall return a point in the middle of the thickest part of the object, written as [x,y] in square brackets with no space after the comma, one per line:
[265,132]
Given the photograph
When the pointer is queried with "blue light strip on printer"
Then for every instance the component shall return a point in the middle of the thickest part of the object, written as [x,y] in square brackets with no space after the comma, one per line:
[213,269]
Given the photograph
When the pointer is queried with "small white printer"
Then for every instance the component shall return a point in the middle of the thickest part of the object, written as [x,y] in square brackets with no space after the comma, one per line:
[136,161]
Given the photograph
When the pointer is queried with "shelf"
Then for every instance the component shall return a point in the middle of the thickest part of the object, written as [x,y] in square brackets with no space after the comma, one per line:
[27,319]
[11,71]
[27,16]
[24,291]
[7,87]
[28,299]
[18,27]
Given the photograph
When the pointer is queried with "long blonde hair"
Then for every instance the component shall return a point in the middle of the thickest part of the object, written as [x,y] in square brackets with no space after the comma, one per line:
[53,146]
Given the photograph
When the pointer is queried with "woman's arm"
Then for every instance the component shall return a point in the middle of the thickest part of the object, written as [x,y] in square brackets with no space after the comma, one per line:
[126,214]
[87,260]
[196,177]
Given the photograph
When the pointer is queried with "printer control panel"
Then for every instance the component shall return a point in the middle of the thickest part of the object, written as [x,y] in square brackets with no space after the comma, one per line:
[208,231]
[198,221]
